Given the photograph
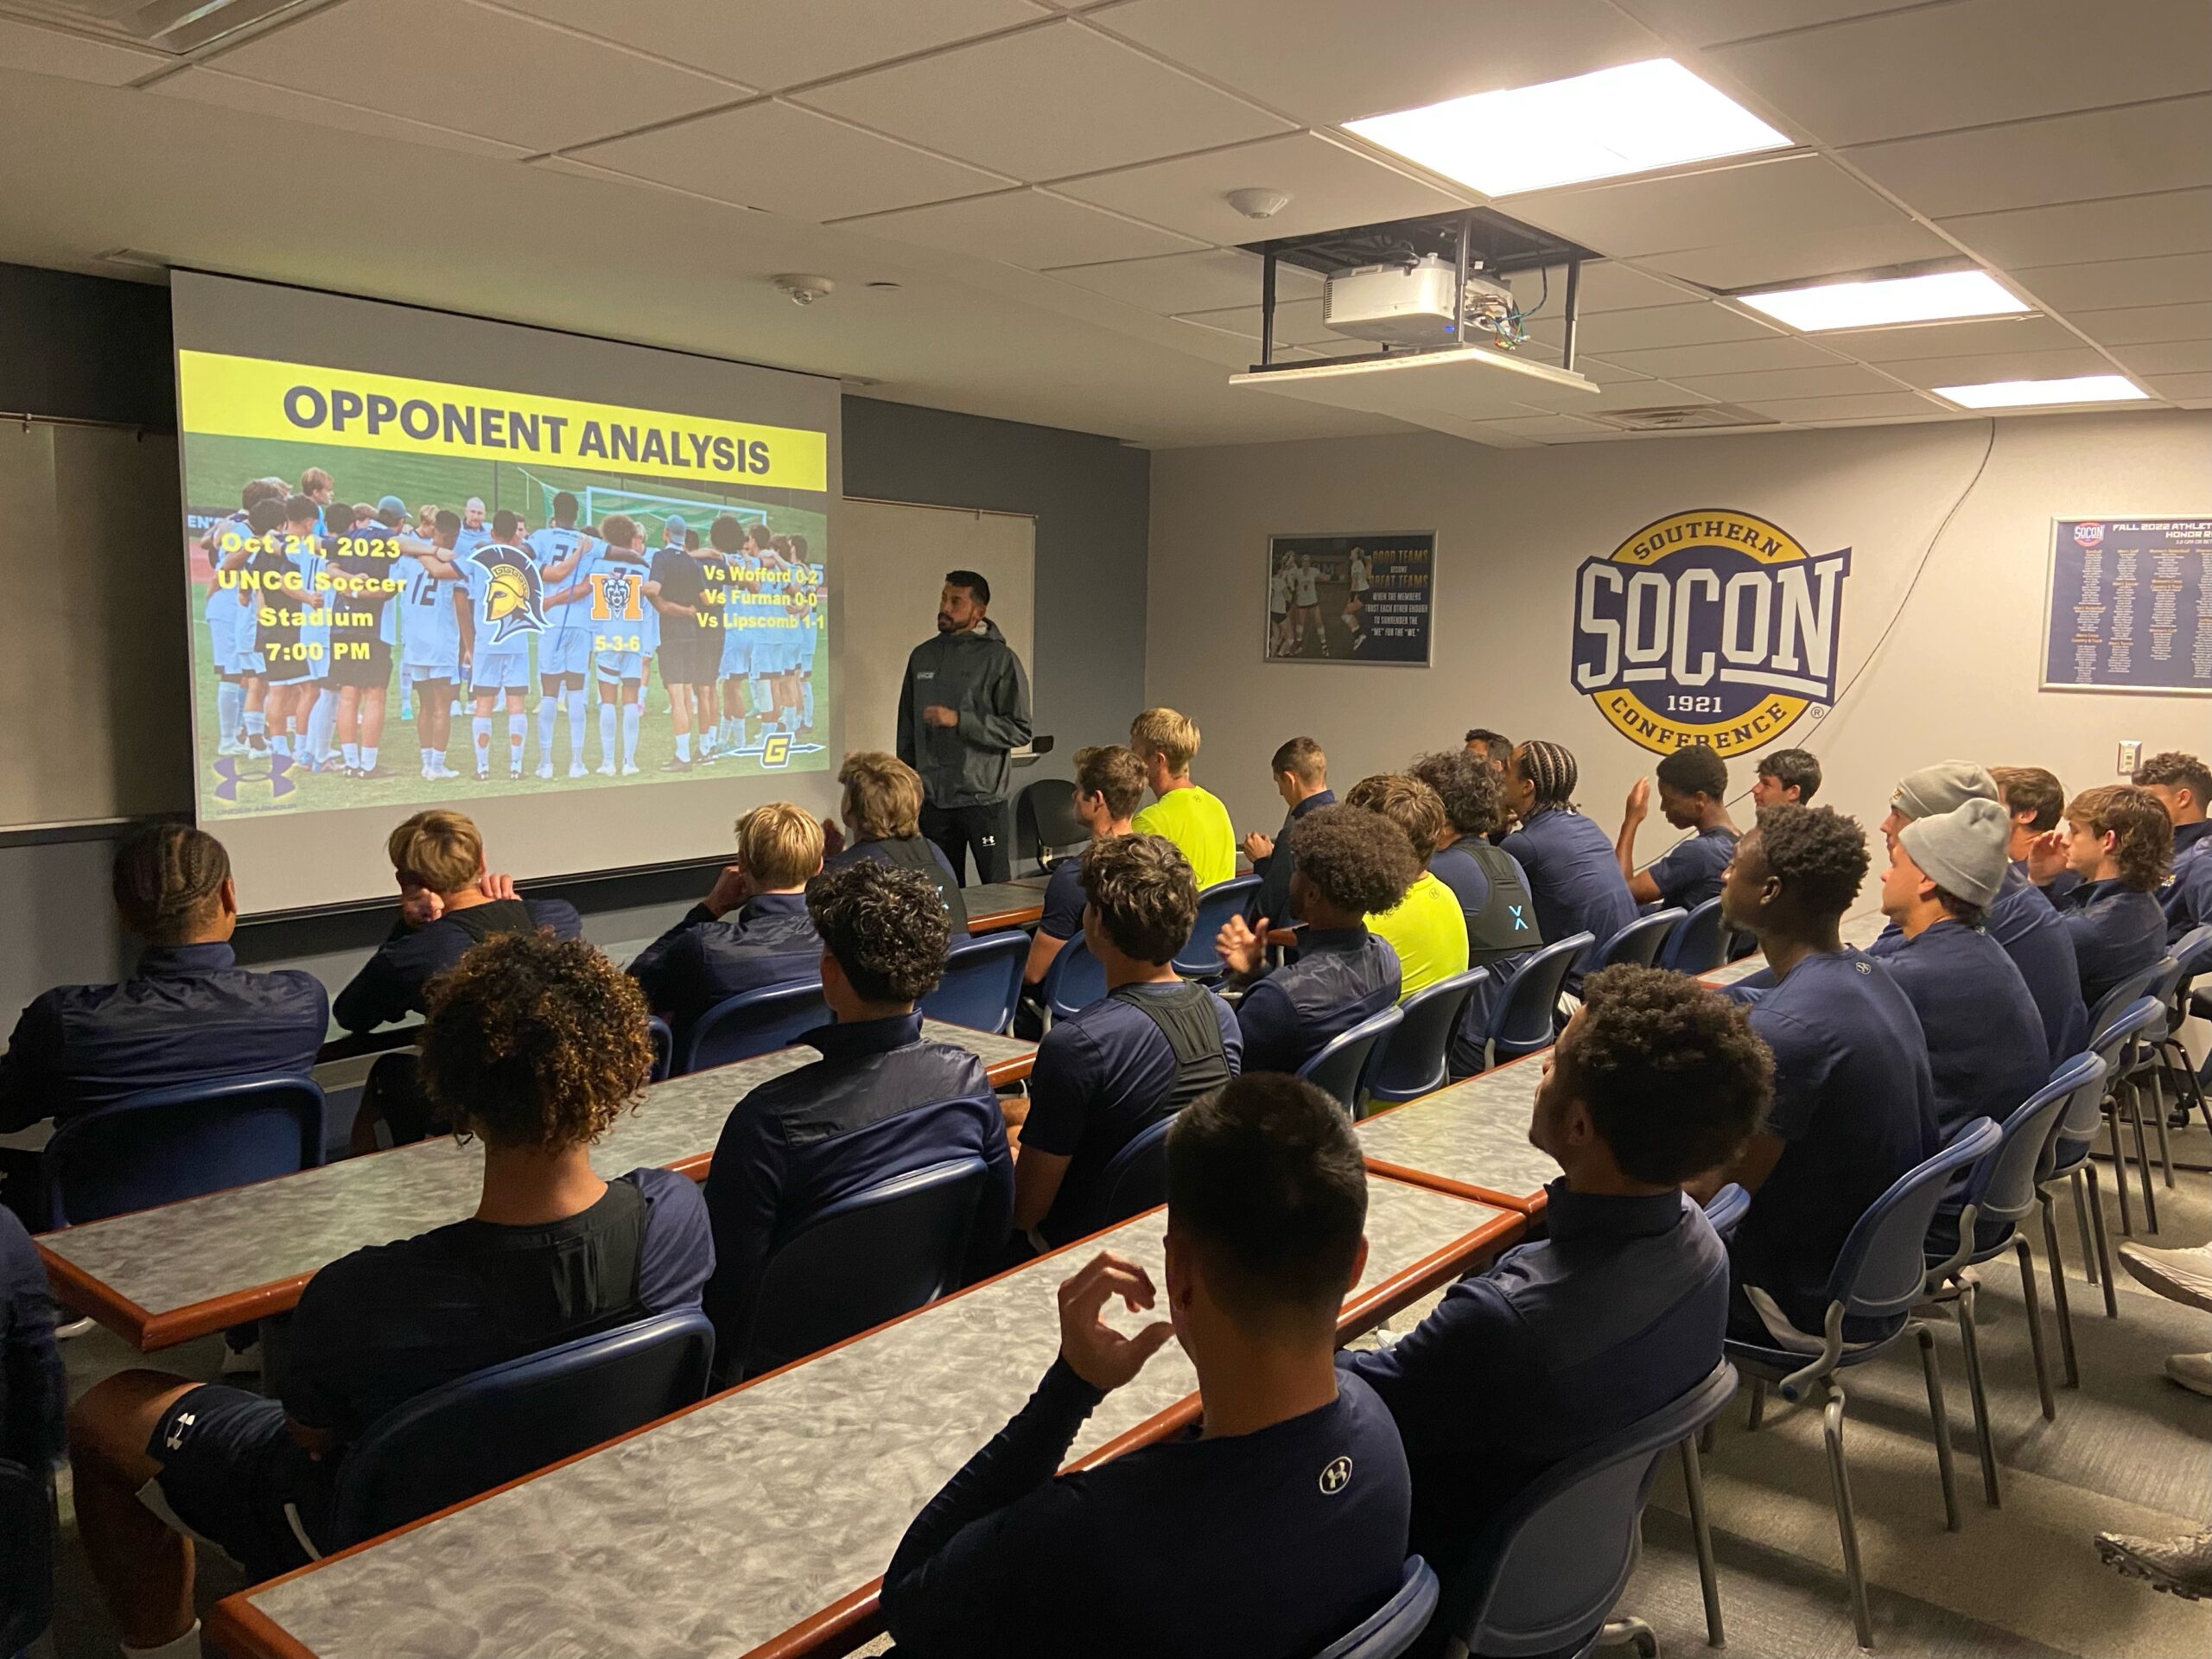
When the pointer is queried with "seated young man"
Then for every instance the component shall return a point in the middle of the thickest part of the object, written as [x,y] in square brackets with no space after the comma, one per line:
[34,1389]
[882,811]
[1575,875]
[711,955]
[1108,789]
[2182,784]
[1853,1105]
[1351,863]
[1195,820]
[1692,796]
[2119,840]
[880,1102]
[1491,887]
[2035,800]
[1300,771]
[1622,1307]
[535,1045]
[1151,1045]
[449,901]
[1786,777]
[1274,1527]
[1426,928]
[186,1014]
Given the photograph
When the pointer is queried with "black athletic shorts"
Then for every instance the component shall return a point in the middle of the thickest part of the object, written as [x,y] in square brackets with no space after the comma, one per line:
[372,672]
[689,656]
[233,1474]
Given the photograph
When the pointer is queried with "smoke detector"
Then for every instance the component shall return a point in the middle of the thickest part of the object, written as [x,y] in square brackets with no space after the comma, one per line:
[801,288]
[1258,203]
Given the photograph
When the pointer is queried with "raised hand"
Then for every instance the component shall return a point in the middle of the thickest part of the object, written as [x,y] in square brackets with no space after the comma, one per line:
[1242,947]
[1639,798]
[2047,855]
[1094,1350]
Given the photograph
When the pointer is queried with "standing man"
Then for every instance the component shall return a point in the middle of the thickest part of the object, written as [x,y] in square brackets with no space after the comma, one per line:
[964,705]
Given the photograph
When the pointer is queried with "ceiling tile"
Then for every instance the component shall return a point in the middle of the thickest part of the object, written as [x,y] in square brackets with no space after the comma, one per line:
[38,51]
[552,88]
[1602,371]
[2182,388]
[772,44]
[2173,357]
[1792,195]
[1330,187]
[1708,22]
[1297,321]
[1611,397]
[1543,428]
[2118,228]
[1607,285]
[1836,380]
[1183,283]
[1022,227]
[1974,63]
[1728,357]
[2145,323]
[1764,262]
[250,98]
[1862,406]
[1610,332]
[2062,158]
[2028,333]
[792,162]
[1046,103]
[2000,365]
[2109,284]
[1326,61]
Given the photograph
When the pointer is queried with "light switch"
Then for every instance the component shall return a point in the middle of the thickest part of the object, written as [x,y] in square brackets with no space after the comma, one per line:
[2131,756]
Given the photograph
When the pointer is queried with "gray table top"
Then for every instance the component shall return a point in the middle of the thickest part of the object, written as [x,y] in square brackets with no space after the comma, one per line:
[997,897]
[201,1249]
[721,1528]
[1473,1135]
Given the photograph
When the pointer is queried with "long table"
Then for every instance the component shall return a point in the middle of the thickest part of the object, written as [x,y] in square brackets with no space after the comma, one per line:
[757,1522]
[163,1276]
[999,904]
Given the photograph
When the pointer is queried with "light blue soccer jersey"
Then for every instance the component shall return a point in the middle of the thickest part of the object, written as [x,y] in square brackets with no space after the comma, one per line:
[315,600]
[469,540]
[431,634]
[552,544]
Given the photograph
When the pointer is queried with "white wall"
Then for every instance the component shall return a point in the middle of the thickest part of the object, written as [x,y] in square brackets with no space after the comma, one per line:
[1957,676]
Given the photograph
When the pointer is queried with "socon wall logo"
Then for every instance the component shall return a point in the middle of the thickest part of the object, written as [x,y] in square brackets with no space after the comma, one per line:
[1712,627]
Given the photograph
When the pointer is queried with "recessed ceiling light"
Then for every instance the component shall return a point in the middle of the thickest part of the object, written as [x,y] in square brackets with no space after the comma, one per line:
[1888,300]
[2027,394]
[1631,119]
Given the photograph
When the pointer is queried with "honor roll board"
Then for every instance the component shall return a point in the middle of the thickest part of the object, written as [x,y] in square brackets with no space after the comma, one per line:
[2130,605]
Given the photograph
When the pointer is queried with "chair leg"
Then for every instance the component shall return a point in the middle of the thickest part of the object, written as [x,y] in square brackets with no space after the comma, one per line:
[2104,1242]
[1941,1422]
[2081,1219]
[2065,1312]
[1705,1437]
[1709,1575]
[1984,1439]
[1758,1403]
[2158,1121]
[1847,1525]
[2119,1166]
[2142,1160]
[1629,1631]
[2034,1325]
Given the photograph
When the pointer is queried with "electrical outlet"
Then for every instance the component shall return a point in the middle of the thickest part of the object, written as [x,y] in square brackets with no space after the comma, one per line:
[2131,756]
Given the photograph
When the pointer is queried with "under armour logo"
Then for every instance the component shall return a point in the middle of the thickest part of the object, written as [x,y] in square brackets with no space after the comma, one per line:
[990,841]
[175,1438]
[1520,923]
[228,777]
[1336,1477]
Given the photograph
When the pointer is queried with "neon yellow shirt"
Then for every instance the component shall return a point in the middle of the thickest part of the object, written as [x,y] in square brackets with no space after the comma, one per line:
[1429,932]
[1198,823]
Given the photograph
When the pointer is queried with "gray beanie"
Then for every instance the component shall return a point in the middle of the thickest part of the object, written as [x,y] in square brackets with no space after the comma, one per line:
[1943,788]
[1963,850]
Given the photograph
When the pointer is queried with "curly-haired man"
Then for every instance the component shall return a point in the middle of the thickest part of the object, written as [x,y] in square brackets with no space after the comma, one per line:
[2120,841]
[2182,784]
[533,1046]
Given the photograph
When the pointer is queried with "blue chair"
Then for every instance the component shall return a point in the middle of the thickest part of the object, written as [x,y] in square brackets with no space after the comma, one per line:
[981,983]
[1045,828]
[27,1531]
[887,1250]
[1524,1018]
[1546,1574]
[2000,1194]
[1393,1628]
[1881,1272]
[465,1437]
[2192,955]
[1642,940]
[1417,1060]
[753,1022]
[1134,1178]
[1342,1067]
[663,1042]
[1075,980]
[2119,1040]
[1197,959]
[1699,944]
[168,1144]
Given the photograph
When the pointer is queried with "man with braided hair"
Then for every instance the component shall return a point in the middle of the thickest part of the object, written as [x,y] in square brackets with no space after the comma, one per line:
[1574,875]
[535,1046]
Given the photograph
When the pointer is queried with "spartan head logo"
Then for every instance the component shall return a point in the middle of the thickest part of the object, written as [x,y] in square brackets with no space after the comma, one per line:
[514,597]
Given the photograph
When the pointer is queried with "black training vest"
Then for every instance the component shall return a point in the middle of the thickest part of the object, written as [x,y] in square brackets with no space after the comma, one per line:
[1491,933]
[1186,1019]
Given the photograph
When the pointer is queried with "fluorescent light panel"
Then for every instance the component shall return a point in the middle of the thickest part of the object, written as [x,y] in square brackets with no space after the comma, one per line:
[2031,394]
[1631,119]
[1873,304]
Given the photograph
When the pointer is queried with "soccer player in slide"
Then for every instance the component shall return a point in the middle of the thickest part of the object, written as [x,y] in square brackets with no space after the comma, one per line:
[492,590]
[765,600]
[783,625]
[280,632]
[810,623]
[564,649]
[364,544]
[613,584]
[230,615]
[473,535]
[431,636]
[727,537]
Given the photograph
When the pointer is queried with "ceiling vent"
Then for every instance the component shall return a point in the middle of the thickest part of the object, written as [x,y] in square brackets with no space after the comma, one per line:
[173,25]
[1687,417]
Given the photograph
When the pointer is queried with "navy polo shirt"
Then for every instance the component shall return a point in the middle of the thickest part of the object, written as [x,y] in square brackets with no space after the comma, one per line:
[2117,931]
[1100,1075]
[2187,898]
[2029,931]
[1343,975]
[1854,1106]
[390,983]
[1271,1543]
[1689,872]
[188,1013]
[1064,901]
[1986,1051]
[1557,1344]
[1271,898]
[913,853]
[1575,878]
[33,1389]
[767,940]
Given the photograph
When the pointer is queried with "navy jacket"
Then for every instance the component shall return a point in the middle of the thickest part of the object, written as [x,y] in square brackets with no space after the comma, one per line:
[1575,878]
[1986,1046]
[1341,976]
[880,1102]
[2031,934]
[33,1389]
[389,987]
[2187,900]
[767,940]
[1272,897]
[189,1013]
[2117,931]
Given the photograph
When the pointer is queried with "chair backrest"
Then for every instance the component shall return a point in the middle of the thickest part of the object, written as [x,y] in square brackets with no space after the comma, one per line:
[1640,942]
[1134,1178]
[2193,950]
[2164,990]
[896,1246]
[1882,1266]
[2084,1115]
[754,1022]
[2121,998]
[1341,1068]
[1045,823]
[2112,1041]
[1521,1018]
[1699,944]
[1416,1061]
[1075,981]
[1548,1571]
[1393,1628]
[467,1436]
[981,983]
[26,1556]
[167,1144]
[1197,959]
[2004,1185]
[663,1042]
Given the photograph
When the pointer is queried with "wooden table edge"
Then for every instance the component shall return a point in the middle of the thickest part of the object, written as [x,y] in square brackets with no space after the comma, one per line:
[1526,1204]
[998,921]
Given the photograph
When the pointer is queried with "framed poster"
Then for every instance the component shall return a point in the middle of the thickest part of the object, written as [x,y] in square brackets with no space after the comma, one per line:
[1350,599]
[2129,607]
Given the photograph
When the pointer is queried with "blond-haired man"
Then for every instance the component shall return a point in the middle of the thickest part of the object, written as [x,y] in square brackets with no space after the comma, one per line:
[1191,817]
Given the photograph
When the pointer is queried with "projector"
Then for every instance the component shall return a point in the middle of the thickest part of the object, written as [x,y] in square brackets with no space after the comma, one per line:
[1411,304]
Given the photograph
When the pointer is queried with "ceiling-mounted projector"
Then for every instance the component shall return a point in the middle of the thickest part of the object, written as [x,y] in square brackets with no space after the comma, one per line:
[1410,302]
